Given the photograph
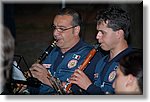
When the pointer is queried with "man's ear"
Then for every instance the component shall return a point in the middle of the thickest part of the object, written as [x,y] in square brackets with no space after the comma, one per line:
[130,80]
[120,33]
[77,30]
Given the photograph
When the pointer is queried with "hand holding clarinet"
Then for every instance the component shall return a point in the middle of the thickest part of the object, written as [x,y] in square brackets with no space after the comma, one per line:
[79,76]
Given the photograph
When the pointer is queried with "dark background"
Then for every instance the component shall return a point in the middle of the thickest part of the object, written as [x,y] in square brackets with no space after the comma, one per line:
[30,24]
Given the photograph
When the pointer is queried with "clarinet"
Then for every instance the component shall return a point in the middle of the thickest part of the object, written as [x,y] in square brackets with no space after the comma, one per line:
[83,65]
[34,82]
[31,81]
[55,82]
[46,52]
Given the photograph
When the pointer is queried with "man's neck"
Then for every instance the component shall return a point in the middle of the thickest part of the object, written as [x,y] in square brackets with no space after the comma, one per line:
[121,47]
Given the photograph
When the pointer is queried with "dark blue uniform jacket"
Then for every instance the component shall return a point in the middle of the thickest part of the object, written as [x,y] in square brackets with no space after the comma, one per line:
[105,74]
[62,65]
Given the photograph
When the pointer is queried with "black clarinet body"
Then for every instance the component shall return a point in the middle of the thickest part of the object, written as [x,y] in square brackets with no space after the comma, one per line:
[34,82]
[46,52]
[56,83]
[30,80]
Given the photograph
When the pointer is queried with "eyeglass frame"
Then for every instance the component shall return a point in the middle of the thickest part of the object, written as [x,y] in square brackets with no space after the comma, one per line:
[62,29]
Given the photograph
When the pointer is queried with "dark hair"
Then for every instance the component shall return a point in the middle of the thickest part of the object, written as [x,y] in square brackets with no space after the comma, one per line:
[69,11]
[133,64]
[117,19]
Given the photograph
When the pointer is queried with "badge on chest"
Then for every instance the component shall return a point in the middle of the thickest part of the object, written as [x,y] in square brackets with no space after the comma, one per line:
[72,63]
[112,76]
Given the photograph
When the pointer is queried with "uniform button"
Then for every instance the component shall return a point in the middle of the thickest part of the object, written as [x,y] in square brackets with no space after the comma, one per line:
[107,92]
[80,90]
[62,56]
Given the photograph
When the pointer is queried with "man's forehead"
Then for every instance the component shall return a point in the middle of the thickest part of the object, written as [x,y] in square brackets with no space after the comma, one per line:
[102,24]
[63,20]
[65,17]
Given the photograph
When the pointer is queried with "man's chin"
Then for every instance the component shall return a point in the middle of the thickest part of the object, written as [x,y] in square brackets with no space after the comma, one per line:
[59,44]
[105,49]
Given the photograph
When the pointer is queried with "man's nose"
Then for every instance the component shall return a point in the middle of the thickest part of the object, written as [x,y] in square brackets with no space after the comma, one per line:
[99,35]
[56,32]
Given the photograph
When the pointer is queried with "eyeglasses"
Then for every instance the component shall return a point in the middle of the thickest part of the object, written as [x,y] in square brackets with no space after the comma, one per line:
[60,29]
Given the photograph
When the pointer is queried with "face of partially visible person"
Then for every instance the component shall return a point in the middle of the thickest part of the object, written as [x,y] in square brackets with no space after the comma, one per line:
[65,38]
[106,36]
[120,82]
[125,84]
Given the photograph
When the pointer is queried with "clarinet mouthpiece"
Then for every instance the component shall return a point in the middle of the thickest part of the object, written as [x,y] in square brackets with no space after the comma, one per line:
[96,46]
